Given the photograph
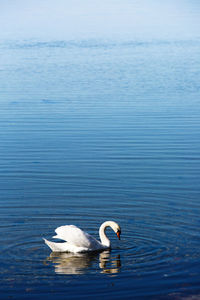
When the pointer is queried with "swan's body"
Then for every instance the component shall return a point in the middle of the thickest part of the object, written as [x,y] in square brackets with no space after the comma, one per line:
[76,240]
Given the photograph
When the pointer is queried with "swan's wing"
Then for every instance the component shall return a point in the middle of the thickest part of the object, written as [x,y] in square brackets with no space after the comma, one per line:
[75,236]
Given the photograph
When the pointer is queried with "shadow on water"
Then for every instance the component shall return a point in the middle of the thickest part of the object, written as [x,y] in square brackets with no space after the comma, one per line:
[80,263]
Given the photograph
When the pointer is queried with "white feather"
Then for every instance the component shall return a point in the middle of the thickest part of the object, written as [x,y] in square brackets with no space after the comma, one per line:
[75,236]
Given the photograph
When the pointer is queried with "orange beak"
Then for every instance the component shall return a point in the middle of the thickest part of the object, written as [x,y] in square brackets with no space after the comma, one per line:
[118,234]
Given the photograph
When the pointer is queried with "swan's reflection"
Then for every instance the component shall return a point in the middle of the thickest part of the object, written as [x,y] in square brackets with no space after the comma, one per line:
[79,263]
[108,265]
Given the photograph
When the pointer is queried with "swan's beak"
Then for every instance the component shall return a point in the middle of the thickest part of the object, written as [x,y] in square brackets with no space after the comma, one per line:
[118,234]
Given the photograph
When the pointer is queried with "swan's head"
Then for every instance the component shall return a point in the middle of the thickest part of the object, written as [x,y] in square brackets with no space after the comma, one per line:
[116,228]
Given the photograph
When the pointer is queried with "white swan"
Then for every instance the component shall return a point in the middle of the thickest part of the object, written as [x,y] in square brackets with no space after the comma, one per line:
[79,241]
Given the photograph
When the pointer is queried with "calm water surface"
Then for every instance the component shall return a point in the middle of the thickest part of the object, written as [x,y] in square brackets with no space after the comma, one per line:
[92,130]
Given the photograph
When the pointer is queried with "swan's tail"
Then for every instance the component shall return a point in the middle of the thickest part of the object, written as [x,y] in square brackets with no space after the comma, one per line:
[56,247]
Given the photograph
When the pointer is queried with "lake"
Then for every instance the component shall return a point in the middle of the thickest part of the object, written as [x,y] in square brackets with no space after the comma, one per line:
[94,130]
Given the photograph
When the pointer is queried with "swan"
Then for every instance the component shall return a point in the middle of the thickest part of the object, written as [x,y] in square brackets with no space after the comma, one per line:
[76,240]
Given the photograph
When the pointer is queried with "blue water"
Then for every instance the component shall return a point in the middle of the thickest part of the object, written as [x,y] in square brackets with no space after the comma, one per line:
[94,130]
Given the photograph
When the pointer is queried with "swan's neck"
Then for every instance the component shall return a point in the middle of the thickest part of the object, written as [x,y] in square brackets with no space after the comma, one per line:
[103,237]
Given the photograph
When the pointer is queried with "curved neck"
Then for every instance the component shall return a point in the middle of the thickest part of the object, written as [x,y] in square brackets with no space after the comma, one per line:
[103,237]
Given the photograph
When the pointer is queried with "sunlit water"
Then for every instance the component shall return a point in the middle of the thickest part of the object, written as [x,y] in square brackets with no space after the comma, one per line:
[95,130]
